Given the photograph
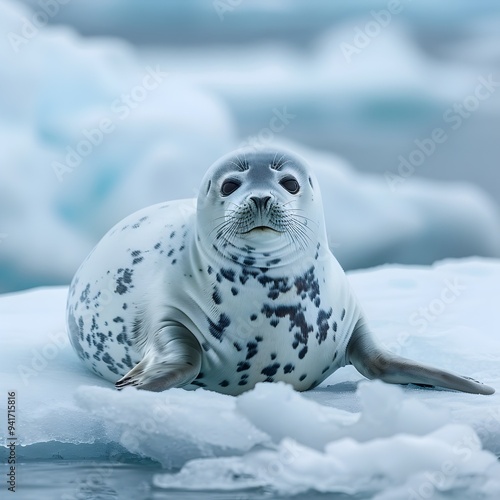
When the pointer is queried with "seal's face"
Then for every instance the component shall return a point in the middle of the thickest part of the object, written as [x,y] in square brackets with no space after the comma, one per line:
[265,199]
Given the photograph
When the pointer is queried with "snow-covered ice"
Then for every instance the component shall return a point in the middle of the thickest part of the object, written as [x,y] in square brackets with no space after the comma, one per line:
[348,435]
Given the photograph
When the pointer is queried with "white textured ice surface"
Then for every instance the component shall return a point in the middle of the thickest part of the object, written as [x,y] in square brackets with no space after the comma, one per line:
[346,435]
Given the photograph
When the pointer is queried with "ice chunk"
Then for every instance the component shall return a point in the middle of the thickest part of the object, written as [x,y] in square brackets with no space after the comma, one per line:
[174,426]
[447,460]
[281,412]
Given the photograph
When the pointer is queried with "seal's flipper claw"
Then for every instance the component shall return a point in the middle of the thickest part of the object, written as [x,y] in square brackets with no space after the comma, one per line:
[157,377]
[374,362]
[172,359]
[123,382]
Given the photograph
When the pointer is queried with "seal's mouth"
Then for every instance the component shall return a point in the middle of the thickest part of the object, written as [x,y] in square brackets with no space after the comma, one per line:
[261,229]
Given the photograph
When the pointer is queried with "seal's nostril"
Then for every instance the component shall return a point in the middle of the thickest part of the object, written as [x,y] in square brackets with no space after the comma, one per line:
[261,202]
[255,199]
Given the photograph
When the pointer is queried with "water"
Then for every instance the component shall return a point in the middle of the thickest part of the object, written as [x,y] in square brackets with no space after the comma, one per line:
[104,480]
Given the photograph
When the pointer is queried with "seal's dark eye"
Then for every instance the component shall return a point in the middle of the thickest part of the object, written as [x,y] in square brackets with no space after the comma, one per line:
[290,184]
[229,187]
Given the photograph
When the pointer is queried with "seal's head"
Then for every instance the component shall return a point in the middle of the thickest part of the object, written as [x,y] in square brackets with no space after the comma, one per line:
[266,200]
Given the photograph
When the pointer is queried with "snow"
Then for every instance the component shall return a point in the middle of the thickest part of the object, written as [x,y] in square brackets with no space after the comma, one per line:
[348,435]
[66,94]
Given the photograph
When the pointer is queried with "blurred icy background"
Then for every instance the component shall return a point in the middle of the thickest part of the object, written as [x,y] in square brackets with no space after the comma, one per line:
[106,107]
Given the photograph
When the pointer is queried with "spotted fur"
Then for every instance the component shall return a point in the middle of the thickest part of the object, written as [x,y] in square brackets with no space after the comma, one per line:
[260,312]
[235,288]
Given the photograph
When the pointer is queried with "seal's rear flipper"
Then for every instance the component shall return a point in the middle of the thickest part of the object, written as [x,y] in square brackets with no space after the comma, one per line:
[372,361]
[172,359]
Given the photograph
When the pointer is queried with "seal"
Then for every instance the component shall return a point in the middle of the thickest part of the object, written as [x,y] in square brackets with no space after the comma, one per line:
[234,288]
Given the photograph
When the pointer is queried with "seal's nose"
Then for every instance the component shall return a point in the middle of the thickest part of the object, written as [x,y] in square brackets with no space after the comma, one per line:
[261,202]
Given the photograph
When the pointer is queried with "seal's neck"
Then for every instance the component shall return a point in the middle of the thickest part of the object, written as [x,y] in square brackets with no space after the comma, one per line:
[263,249]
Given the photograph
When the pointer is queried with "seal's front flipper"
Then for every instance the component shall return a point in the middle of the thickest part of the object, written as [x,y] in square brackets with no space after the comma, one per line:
[171,359]
[375,362]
